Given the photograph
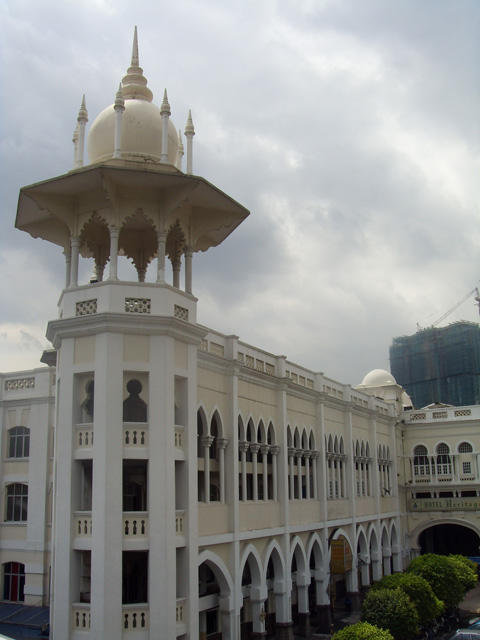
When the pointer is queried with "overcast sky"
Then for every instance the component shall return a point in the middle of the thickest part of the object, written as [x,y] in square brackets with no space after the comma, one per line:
[349,129]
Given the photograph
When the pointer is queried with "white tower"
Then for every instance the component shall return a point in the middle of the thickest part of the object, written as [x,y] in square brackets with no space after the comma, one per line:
[125,523]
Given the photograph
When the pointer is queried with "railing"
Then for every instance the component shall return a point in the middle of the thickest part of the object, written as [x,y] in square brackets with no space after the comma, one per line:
[135,617]
[135,434]
[135,524]
[84,435]
[83,524]
[181,610]
[81,617]
[179,436]
[180,522]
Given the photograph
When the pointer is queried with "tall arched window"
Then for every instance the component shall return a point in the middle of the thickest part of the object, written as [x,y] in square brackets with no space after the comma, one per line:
[444,462]
[19,442]
[421,463]
[13,581]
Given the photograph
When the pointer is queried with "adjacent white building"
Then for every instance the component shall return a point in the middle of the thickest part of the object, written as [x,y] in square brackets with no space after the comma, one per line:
[163,480]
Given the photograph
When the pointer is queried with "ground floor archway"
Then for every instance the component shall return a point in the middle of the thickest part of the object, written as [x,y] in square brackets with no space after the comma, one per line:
[449,538]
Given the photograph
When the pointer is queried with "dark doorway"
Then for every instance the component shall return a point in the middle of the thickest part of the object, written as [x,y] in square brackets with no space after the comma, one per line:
[449,538]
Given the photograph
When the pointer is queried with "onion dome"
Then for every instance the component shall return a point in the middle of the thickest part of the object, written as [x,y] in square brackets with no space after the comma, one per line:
[141,123]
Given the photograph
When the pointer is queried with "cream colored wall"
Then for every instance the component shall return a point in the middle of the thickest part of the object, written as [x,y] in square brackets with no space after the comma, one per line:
[259,515]
[213,519]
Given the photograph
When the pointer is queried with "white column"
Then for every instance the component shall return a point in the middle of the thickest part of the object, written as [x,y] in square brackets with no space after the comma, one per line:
[291,453]
[255,448]
[180,151]
[243,448]
[162,241]
[206,444]
[222,445]
[114,234]
[189,133]
[258,613]
[165,113]
[176,273]
[307,474]
[364,569]
[119,107]
[68,265]
[82,121]
[314,456]
[275,450]
[299,454]
[188,251]
[75,146]
[265,448]
[75,244]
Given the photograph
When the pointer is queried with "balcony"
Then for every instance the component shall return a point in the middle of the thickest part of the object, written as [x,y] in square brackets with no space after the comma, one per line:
[180,524]
[135,525]
[135,438]
[179,437]
[134,618]
[83,440]
[181,614]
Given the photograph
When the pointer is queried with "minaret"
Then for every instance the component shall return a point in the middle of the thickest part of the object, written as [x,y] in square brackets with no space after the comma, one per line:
[125,513]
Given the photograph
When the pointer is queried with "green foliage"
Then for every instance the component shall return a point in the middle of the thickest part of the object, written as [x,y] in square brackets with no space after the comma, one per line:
[362,631]
[442,575]
[428,606]
[466,570]
[393,610]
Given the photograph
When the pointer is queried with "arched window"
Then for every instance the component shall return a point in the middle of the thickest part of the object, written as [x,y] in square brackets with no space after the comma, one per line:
[465,447]
[17,503]
[19,442]
[444,462]
[134,407]
[13,581]
[421,463]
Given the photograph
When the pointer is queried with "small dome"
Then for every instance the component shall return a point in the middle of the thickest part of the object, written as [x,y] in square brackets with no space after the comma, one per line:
[378,378]
[141,134]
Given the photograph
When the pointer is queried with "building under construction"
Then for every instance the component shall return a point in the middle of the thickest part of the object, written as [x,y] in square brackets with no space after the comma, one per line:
[439,364]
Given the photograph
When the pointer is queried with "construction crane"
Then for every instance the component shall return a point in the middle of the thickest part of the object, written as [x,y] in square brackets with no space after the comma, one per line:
[455,306]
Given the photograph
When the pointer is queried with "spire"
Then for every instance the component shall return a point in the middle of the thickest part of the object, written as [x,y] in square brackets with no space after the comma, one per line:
[82,121]
[135,61]
[165,108]
[135,83]
[189,133]
[165,113]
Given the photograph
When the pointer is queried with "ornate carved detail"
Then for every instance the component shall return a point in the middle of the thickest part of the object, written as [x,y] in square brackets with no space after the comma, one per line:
[137,305]
[86,307]
[19,384]
[180,312]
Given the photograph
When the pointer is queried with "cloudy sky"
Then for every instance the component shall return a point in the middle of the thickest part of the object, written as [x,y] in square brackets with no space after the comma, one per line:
[349,129]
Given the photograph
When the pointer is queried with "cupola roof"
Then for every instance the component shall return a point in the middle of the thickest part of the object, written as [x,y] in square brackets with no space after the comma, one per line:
[141,123]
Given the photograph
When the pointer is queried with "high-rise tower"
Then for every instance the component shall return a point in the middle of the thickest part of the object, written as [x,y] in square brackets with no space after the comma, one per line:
[124,552]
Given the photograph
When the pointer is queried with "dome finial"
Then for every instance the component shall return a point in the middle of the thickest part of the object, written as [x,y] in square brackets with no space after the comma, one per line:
[135,83]
[135,61]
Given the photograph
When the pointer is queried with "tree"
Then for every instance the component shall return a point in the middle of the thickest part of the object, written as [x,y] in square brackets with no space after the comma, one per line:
[428,606]
[442,575]
[466,570]
[393,610]
[362,631]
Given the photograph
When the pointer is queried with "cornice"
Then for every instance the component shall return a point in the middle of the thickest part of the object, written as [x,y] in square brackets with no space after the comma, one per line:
[148,325]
